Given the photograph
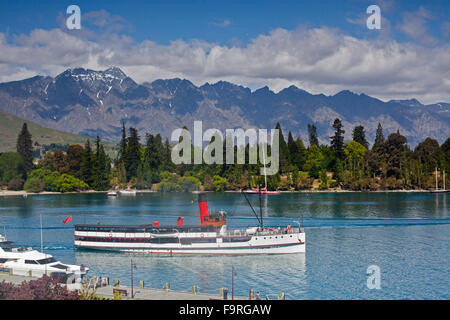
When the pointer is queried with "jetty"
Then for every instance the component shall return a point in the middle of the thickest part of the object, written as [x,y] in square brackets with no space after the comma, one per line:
[107,291]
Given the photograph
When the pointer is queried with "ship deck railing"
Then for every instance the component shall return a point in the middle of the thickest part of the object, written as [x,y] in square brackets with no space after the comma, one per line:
[265,232]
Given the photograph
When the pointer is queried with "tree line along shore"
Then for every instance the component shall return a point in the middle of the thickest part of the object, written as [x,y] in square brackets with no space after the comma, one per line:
[389,165]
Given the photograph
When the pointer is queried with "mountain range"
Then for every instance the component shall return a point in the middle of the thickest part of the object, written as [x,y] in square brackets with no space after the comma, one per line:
[90,103]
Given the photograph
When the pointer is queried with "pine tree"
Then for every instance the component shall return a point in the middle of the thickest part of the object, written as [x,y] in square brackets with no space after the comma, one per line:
[87,165]
[25,148]
[312,132]
[428,154]
[74,157]
[283,150]
[122,144]
[101,168]
[359,136]
[445,156]
[302,154]
[159,147]
[379,138]
[167,164]
[337,141]
[292,147]
[132,158]
[393,151]
[152,160]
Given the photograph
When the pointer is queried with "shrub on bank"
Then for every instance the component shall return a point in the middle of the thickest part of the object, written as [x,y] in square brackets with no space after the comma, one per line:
[44,288]
[34,185]
[11,167]
[188,184]
[46,180]
[220,183]
[15,184]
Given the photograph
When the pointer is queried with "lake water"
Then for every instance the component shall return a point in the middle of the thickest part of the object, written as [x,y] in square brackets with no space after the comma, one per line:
[406,235]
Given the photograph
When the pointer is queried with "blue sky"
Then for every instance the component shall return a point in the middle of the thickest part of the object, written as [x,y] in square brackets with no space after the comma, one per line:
[217,21]
[320,46]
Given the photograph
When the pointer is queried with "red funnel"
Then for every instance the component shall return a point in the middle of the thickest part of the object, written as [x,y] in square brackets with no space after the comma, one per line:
[202,207]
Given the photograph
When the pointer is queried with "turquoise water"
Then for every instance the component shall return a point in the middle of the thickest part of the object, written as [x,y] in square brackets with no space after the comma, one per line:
[406,235]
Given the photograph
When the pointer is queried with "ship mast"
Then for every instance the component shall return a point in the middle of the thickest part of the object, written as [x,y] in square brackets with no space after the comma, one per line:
[435,172]
[42,244]
[254,212]
[264,163]
[260,206]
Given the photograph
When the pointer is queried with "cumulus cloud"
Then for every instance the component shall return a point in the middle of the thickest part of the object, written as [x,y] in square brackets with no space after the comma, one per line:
[319,60]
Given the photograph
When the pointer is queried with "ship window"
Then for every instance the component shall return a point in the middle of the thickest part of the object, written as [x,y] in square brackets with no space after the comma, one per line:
[236,239]
[185,241]
[60,266]
[46,261]
[163,240]
[203,240]
[30,262]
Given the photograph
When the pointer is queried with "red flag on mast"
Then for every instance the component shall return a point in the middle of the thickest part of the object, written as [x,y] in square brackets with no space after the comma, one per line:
[69,218]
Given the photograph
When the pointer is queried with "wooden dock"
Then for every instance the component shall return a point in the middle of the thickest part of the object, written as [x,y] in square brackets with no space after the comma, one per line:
[139,293]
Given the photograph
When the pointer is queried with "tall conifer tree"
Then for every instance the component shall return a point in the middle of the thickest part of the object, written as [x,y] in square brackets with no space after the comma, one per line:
[312,133]
[132,157]
[101,168]
[87,164]
[337,141]
[379,138]
[359,135]
[122,144]
[25,148]
[284,151]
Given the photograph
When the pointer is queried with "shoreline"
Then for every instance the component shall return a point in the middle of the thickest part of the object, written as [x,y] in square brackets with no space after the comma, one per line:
[8,193]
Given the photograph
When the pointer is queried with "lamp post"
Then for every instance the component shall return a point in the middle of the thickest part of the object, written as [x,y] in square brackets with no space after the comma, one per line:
[133,266]
[233,273]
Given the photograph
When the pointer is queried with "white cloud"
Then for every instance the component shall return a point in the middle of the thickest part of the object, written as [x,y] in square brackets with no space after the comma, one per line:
[222,24]
[319,60]
[414,25]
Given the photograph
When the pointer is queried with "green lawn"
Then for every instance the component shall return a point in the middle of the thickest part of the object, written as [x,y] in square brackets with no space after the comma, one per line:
[10,127]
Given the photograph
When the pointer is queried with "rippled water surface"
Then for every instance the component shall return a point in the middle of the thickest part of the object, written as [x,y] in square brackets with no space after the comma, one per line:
[406,235]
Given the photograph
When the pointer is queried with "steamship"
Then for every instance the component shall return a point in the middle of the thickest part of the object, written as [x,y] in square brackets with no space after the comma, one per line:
[211,237]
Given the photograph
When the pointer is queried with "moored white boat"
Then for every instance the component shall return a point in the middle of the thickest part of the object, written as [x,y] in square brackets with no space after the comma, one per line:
[437,190]
[210,237]
[263,191]
[30,262]
[127,192]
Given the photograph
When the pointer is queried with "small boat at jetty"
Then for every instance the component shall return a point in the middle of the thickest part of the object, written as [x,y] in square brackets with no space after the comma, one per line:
[263,191]
[127,192]
[437,190]
[30,262]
